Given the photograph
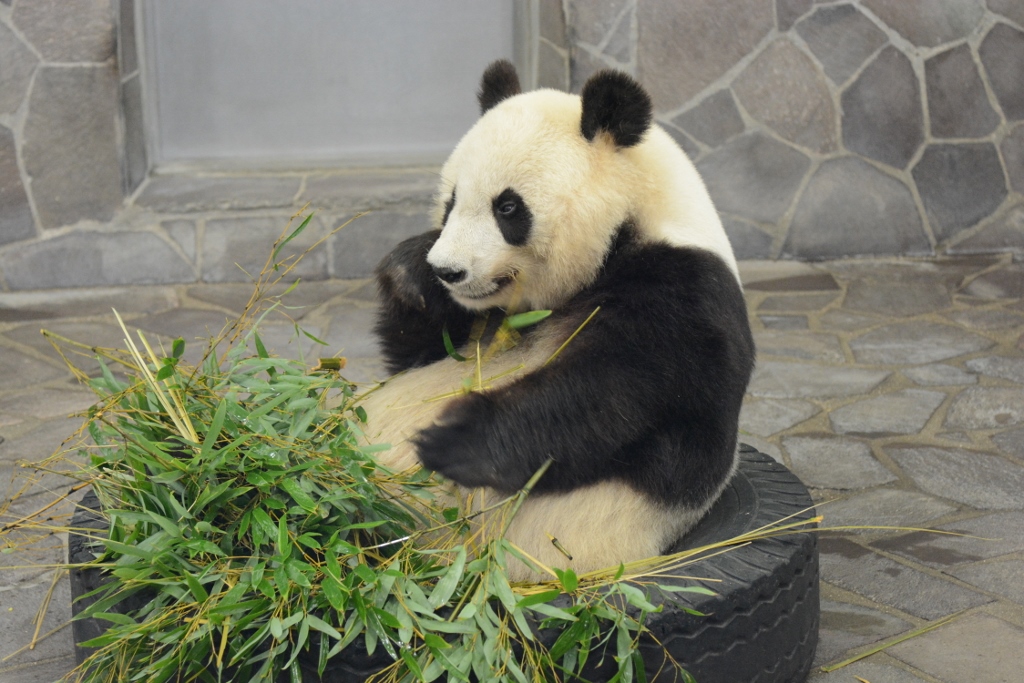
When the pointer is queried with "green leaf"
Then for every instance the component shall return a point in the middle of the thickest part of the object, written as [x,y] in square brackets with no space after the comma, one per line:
[521,320]
[295,233]
[178,348]
[261,350]
[302,498]
[414,667]
[319,624]
[636,597]
[568,579]
[164,372]
[196,588]
[450,347]
[537,598]
[447,584]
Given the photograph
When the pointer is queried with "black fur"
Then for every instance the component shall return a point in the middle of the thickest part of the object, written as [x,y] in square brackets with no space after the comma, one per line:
[649,392]
[415,307]
[615,103]
[500,81]
[514,217]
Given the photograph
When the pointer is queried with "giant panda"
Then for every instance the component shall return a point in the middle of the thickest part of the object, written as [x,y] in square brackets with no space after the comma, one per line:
[572,204]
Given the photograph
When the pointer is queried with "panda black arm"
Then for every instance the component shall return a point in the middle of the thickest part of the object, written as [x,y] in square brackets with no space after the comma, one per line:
[415,307]
[649,392]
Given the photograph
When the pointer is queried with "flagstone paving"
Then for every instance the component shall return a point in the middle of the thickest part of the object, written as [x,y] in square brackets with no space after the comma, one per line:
[894,388]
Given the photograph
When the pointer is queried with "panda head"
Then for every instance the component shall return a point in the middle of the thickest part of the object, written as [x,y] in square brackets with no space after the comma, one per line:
[532,196]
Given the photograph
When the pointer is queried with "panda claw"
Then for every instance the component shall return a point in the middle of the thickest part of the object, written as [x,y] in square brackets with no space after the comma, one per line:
[455,446]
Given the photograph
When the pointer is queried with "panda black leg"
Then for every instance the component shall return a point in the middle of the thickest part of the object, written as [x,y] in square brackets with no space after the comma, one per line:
[415,307]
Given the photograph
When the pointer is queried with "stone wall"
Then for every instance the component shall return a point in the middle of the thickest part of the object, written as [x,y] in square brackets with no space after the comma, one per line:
[832,129]
[824,129]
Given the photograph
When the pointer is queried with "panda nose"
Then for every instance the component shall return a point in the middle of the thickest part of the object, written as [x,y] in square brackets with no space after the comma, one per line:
[450,275]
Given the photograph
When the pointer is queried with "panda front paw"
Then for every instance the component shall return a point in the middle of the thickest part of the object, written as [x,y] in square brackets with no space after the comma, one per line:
[404,274]
[456,445]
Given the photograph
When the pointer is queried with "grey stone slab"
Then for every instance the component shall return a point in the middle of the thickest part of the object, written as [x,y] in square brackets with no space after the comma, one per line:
[70,147]
[949,271]
[806,345]
[977,647]
[913,343]
[81,302]
[784,322]
[283,340]
[1010,442]
[195,326]
[190,193]
[551,22]
[986,408]
[714,121]
[691,148]
[1002,54]
[590,22]
[1012,148]
[884,507]
[237,249]
[552,66]
[850,208]
[980,538]
[351,330]
[45,671]
[365,371]
[868,670]
[367,190]
[358,248]
[901,412]
[17,63]
[136,165]
[959,184]
[19,607]
[32,446]
[619,45]
[882,115]
[988,320]
[940,375]
[1011,9]
[1005,232]
[16,222]
[798,302]
[782,89]
[128,58]
[1007,283]
[748,241]
[929,23]
[183,232]
[896,299]
[68,32]
[833,462]
[754,176]
[19,370]
[957,103]
[687,46]
[806,282]
[846,320]
[1002,577]
[844,627]
[983,481]
[999,366]
[857,569]
[842,38]
[776,379]
[42,403]
[86,258]
[787,12]
[771,416]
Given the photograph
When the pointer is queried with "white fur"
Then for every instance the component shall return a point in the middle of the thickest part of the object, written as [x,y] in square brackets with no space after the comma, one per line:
[578,192]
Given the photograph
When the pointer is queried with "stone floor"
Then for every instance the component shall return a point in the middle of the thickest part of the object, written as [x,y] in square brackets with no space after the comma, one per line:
[894,388]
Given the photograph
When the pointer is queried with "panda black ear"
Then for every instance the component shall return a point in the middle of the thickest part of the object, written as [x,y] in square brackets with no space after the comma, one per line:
[500,81]
[615,103]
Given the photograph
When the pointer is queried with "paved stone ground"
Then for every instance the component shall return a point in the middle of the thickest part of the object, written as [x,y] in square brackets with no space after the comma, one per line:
[894,388]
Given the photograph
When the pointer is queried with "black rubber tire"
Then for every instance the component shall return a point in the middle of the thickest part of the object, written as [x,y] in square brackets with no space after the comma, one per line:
[761,626]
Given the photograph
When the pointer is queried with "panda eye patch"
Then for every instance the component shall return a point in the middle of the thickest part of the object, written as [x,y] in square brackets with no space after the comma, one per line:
[513,217]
